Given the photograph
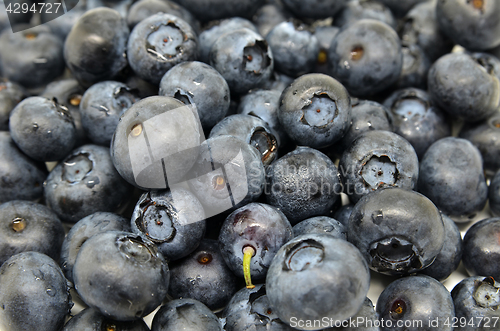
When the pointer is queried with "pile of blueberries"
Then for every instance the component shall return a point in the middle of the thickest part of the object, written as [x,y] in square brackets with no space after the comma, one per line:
[249,165]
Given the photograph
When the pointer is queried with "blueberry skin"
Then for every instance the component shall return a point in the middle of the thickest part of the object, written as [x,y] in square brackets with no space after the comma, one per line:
[481,248]
[315,110]
[366,315]
[325,35]
[173,220]
[218,9]
[329,276]
[243,58]
[463,88]
[416,65]
[61,25]
[366,116]
[343,214]
[203,276]
[320,224]
[250,309]
[185,314]
[90,319]
[400,7]
[453,167]
[264,104]
[416,298]
[95,48]
[101,106]
[268,16]
[10,95]
[22,177]
[82,231]
[209,36]
[260,226]
[85,182]
[398,231]
[314,8]
[198,84]
[473,25]
[158,43]
[450,255]
[42,129]
[253,131]
[295,48]
[420,27]
[143,9]
[485,136]
[476,300]
[243,177]
[417,119]
[366,57]
[34,294]
[31,58]
[357,10]
[180,138]
[29,226]
[494,194]
[378,159]
[121,274]
[68,93]
[302,184]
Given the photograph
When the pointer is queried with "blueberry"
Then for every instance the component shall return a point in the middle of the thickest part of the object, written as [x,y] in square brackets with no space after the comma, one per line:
[251,130]
[417,119]
[400,7]
[185,314]
[158,43]
[10,95]
[494,194]
[90,319]
[449,257]
[329,276]
[398,231]
[315,110]
[101,106]
[463,87]
[217,9]
[173,220]
[451,175]
[198,84]
[34,294]
[476,302]
[43,129]
[121,274]
[85,182]
[481,248]
[61,25]
[250,237]
[420,27]
[471,24]
[22,177]
[264,104]
[142,9]
[366,319]
[216,29]
[302,184]
[366,57]
[416,303]
[95,48]
[366,116]
[203,276]
[32,57]
[415,67]
[268,16]
[378,159]
[82,231]
[485,135]
[170,127]
[343,214]
[357,10]
[320,224]
[68,93]
[250,309]
[314,8]
[325,35]
[28,226]
[243,58]
[295,48]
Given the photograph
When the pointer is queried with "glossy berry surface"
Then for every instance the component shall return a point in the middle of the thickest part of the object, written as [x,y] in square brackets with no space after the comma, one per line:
[320,224]
[90,319]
